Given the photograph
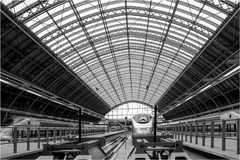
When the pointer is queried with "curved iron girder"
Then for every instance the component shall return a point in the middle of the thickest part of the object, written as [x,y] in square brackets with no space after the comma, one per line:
[130,12]
[44,71]
[71,29]
[127,73]
[89,39]
[135,32]
[205,76]
[85,32]
[113,31]
[234,13]
[111,47]
[132,101]
[86,99]
[37,41]
[134,47]
[166,34]
[60,79]
[39,11]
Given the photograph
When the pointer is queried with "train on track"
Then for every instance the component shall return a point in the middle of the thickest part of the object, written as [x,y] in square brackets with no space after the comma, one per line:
[22,123]
[142,124]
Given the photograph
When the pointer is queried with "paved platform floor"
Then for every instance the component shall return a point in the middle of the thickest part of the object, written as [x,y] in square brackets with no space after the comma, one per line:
[7,148]
[125,149]
[229,153]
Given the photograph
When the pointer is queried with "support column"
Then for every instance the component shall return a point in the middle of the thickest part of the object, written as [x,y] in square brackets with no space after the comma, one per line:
[28,138]
[175,131]
[196,133]
[190,132]
[203,133]
[212,134]
[38,137]
[15,140]
[47,134]
[155,124]
[79,125]
[60,134]
[54,135]
[223,135]
[186,132]
[181,131]
[238,135]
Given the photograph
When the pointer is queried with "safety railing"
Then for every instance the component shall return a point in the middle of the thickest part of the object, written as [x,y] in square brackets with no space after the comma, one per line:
[218,133]
[26,138]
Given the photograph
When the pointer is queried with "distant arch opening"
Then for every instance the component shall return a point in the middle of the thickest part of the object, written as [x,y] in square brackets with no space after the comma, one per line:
[128,110]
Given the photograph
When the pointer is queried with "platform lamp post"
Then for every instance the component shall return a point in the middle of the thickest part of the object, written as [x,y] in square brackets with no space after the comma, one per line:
[79,125]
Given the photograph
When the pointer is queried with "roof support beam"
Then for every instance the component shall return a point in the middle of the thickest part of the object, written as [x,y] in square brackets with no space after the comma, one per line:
[144,50]
[28,114]
[37,41]
[235,12]
[161,47]
[111,49]
[82,25]
[129,55]
[28,87]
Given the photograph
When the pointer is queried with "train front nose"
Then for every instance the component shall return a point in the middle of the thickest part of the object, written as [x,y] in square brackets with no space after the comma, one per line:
[143,130]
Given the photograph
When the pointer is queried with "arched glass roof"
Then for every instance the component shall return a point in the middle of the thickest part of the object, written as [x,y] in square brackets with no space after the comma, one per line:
[124,50]
[128,110]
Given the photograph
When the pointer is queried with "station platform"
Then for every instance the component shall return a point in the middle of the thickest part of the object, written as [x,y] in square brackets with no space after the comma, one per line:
[125,150]
[229,153]
[7,148]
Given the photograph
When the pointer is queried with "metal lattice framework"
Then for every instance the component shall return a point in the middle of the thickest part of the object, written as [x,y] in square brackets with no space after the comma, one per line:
[124,50]
[121,51]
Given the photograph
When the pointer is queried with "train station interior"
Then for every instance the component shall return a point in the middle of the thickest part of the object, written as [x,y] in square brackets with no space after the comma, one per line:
[120,79]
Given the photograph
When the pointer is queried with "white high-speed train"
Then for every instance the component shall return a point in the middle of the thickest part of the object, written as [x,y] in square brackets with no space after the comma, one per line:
[142,124]
[6,133]
[22,123]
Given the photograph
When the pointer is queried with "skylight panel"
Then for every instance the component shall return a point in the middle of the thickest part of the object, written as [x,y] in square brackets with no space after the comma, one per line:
[166,3]
[37,20]
[57,9]
[185,15]
[84,10]
[194,3]
[42,33]
[178,49]
[210,18]
[198,41]
[181,37]
[71,61]
[41,17]
[213,28]
[139,4]
[18,7]
[61,20]
[6,2]
[163,8]
[78,39]
[186,56]
[189,9]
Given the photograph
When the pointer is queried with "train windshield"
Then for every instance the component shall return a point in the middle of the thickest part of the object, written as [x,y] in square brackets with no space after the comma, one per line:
[143,119]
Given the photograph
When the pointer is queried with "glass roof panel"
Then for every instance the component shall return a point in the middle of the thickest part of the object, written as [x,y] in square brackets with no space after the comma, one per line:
[122,50]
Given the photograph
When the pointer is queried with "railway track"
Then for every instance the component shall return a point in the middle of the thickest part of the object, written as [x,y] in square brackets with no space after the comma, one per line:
[114,145]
